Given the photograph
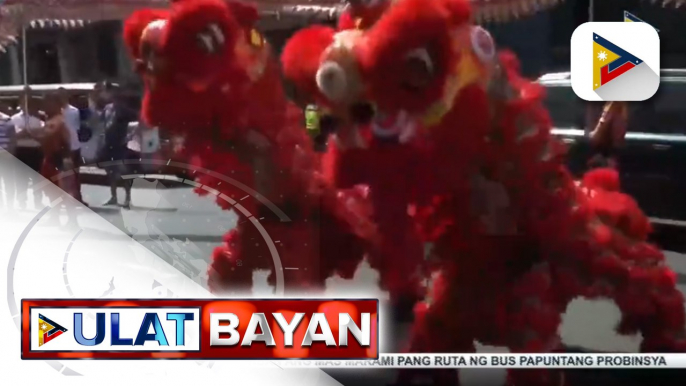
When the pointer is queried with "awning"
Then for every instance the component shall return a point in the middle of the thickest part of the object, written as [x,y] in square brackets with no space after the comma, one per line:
[62,13]
[73,13]
[7,33]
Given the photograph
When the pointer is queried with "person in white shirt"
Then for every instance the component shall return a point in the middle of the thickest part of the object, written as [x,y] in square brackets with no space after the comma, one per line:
[72,119]
[28,149]
[144,142]
[5,110]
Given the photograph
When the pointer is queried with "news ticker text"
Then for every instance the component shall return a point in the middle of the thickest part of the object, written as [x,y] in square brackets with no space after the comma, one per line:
[502,361]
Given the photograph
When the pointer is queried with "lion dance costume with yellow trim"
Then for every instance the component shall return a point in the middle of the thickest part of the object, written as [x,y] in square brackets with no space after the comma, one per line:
[210,77]
[381,154]
[514,237]
[517,239]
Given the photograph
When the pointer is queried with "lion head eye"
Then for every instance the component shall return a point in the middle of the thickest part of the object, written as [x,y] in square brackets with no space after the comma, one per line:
[332,80]
[420,69]
[421,60]
[211,39]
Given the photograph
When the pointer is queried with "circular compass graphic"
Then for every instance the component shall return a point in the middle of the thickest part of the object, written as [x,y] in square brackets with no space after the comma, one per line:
[106,281]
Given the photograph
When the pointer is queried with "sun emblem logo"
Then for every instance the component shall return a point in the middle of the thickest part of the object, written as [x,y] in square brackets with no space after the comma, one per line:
[602,55]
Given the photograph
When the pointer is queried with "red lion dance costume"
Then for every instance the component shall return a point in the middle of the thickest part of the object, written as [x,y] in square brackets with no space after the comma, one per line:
[210,77]
[382,155]
[515,237]
[508,272]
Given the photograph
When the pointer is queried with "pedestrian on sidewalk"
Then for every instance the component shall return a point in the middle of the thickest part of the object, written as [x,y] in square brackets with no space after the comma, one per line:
[116,117]
[72,119]
[92,125]
[55,142]
[26,121]
[144,142]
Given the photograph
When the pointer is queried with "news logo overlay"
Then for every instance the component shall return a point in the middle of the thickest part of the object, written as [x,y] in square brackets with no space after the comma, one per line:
[200,329]
[615,61]
[48,330]
[631,18]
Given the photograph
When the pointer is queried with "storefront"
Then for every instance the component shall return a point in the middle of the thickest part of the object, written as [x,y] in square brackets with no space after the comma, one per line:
[63,49]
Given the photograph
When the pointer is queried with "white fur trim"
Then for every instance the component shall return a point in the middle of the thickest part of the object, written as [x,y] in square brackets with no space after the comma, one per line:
[408,132]
[345,39]
[382,132]
[207,42]
[152,29]
[157,24]
[332,81]
[217,32]
[483,44]
[403,127]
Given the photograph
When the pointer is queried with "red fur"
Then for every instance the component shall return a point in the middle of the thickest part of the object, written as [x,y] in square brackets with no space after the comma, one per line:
[346,21]
[136,23]
[187,19]
[607,179]
[220,103]
[301,57]
[245,14]
[381,58]
[401,254]
[388,169]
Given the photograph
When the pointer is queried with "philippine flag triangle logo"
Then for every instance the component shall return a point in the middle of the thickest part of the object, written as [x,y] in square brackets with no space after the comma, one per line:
[631,18]
[610,61]
[48,330]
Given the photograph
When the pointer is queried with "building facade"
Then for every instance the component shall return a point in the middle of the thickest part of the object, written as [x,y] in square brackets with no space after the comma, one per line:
[542,41]
[56,55]
[96,51]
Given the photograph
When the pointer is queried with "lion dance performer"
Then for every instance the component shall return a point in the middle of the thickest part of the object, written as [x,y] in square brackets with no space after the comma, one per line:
[518,238]
[515,236]
[357,15]
[241,131]
[382,154]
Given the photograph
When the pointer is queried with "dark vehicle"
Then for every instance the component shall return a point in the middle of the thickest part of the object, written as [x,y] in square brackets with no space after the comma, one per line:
[652,163]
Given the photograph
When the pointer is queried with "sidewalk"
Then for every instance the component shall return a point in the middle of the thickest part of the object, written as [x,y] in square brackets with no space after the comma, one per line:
[91,175]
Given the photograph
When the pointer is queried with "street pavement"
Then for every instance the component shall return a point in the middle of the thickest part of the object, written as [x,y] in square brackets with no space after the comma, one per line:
[183,228]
